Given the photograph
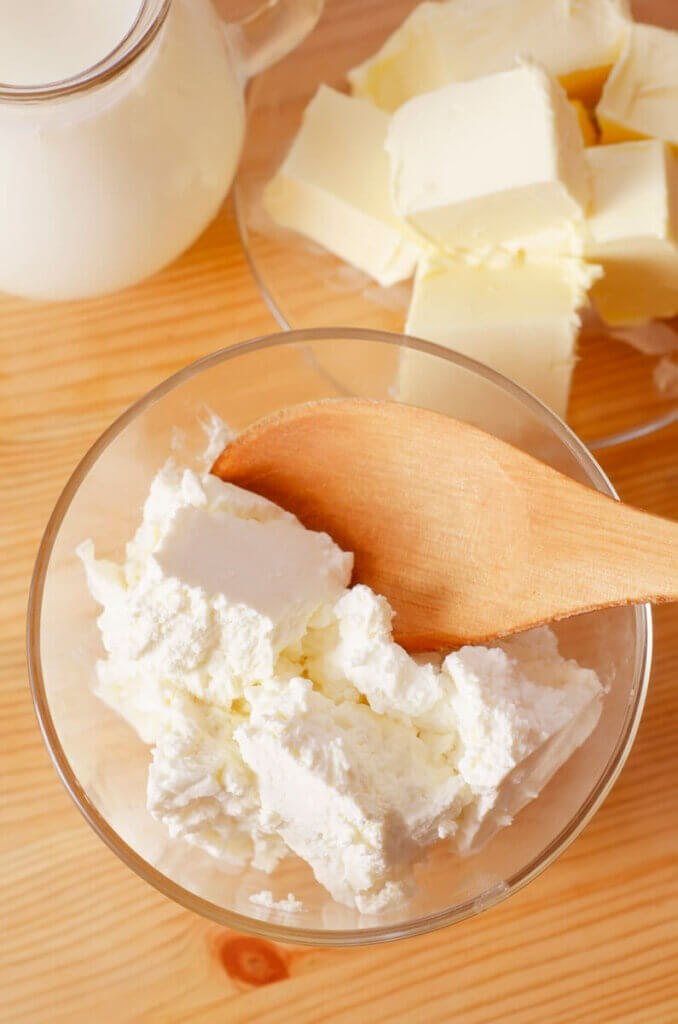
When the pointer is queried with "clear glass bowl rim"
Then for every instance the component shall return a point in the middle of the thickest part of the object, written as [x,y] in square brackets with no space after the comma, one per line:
[254,926]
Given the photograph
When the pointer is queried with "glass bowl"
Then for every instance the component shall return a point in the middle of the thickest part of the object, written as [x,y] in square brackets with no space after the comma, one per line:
[103,763]
[305,286]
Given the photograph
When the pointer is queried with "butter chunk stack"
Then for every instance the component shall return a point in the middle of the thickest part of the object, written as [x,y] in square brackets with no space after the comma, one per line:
[577,41]
[333,187]
[284,718]
[477,163]
[466,157]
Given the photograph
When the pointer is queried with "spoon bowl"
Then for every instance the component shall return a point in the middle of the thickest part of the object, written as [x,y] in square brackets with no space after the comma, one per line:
[469,538]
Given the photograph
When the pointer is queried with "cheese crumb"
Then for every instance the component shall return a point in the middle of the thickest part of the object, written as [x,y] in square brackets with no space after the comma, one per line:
[290,904]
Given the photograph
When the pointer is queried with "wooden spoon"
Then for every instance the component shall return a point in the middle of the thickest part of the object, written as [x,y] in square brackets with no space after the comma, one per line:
[469,538]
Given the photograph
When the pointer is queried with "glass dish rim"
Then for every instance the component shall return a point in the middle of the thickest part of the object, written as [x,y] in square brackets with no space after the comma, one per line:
[207,909]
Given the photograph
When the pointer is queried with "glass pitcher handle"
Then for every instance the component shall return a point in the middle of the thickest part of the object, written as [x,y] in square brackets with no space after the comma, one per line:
[272,31]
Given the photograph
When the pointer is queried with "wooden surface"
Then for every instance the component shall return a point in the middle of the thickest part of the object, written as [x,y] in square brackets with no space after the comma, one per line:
[594,939]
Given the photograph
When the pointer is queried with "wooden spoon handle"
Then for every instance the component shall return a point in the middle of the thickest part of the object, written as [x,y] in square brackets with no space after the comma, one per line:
[610,554]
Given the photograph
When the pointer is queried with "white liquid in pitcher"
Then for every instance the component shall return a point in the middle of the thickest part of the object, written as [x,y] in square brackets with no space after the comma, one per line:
[45,41]
[99,190]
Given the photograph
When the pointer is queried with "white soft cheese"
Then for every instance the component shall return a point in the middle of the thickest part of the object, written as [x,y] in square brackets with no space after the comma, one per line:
[640,98]
[174,616]
[520,711]
[333,188]
[290,904]
[354,793]
[283,718]
[355,654]
[478,163]
[200,789]
[462,39]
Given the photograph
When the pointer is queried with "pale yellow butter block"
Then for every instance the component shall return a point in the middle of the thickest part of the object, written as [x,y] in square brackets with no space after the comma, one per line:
[333,187]
[565,241]
[640,98]
[587,125]
[576,40]
[477,163]
[521,320]
[633,230]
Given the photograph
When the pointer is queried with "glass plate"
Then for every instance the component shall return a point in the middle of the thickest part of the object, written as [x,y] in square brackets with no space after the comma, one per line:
[103,762]
[614,396]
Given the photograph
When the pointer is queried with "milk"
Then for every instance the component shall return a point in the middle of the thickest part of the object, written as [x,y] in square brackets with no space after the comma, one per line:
[101,189]
[43,41]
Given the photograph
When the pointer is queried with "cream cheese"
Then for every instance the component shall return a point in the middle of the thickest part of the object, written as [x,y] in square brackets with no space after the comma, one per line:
[282,717]
[521,710]
[166,624]
[265,899]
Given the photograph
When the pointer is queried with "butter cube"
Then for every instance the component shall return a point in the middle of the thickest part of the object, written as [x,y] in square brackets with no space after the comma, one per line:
[640,98]
[587,126]
[633,230]
[476,163]
[577,42]
[333,187]
[520,319]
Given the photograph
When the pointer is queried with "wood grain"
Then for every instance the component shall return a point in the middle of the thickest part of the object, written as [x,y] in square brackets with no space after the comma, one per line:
[593,940]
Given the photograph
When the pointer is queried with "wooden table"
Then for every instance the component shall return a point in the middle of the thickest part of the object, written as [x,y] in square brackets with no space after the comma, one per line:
[594,939]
